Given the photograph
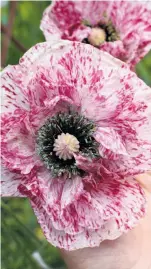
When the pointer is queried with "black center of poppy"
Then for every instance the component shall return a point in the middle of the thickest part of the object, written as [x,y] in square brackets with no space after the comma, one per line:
[66,123]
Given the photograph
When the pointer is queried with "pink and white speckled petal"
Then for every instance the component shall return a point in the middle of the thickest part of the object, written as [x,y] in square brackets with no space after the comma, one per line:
[128,196]
[90,208]
[12,95]
[88,238]
[34,54]
[110,141]
[55,195]
[134,124]
[18,145]
[53,191]
[71,191]
[94,166]
[44,80]
[21,82]
[10,182]
[14,92]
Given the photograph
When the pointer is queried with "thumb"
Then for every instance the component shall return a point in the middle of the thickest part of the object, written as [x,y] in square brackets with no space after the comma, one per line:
[145,181]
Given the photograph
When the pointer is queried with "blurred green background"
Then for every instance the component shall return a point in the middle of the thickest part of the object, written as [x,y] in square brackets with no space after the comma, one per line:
[21,235]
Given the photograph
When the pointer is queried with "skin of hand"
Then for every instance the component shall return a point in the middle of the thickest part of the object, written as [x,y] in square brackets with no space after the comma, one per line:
[130,251]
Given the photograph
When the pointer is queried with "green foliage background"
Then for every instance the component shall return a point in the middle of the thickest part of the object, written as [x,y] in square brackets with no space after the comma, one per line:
[21,235]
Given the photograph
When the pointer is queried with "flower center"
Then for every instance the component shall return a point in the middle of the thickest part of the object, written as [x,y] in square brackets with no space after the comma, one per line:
[60,137]
[101,32]
[65,145]
[111,33]
[97,36]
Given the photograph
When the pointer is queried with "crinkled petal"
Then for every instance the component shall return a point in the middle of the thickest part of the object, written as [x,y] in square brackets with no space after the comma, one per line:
[133,125]
[88,238]
[12,96]
[110,141]
[28,83]
[54,194]
[71,191]
[127,109]
[13,81]
[118,205]
[10,182]
[94,167]
[18,145]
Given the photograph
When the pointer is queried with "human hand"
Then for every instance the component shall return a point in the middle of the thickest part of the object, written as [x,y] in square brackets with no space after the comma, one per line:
[130,251]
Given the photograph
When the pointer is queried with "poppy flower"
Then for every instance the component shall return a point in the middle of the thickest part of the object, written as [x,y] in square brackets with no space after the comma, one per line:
[75,132]
[121,28]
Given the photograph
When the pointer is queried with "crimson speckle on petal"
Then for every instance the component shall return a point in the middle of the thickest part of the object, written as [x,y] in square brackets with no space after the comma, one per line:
[102,112]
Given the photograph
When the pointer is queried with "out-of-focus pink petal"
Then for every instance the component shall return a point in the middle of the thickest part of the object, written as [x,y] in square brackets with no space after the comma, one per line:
[132,23]
[49,26]
[116,49]
[79,33]
[135,28]
[61,18]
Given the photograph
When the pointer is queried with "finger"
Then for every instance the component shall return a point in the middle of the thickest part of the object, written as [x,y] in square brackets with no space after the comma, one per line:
[145,181]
